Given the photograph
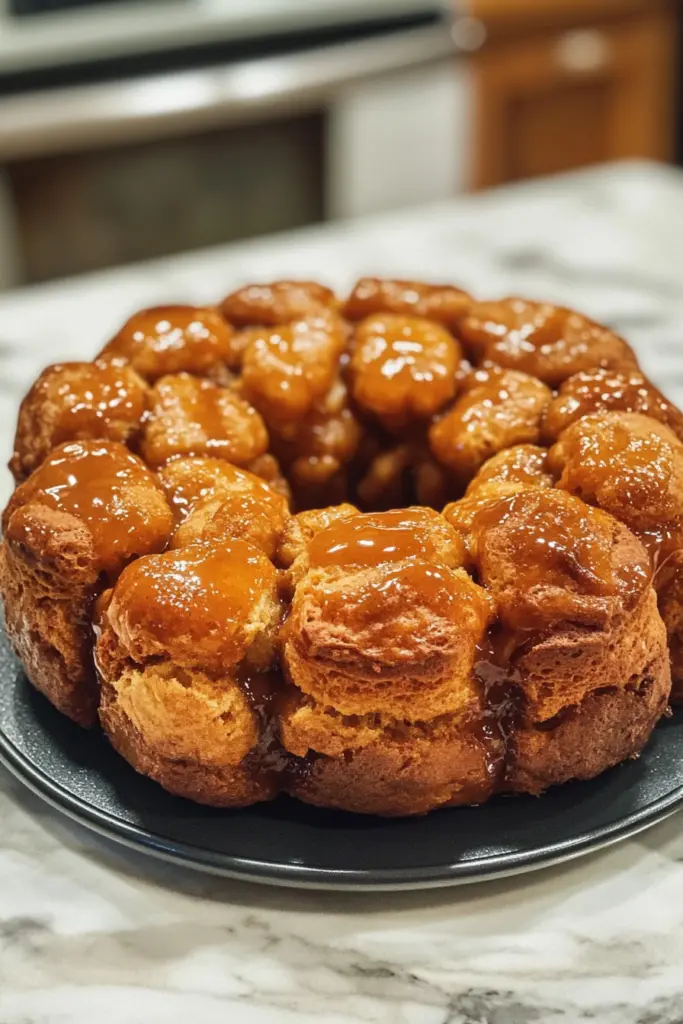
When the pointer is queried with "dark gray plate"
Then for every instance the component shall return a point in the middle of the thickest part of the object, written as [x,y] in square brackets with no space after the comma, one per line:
[289,844]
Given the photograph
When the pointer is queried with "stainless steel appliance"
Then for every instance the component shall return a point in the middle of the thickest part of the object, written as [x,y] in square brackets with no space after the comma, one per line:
[201,121]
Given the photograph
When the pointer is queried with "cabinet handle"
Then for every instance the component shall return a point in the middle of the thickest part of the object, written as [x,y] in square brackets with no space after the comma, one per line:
[583,50]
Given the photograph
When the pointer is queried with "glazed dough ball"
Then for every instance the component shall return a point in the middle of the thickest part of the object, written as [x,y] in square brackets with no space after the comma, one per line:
[514,469]
[205,607]
[76,402]
[173,339]
[402,368]
[498,409]
[278,303]
[605,391]
[288,368]
[442,303]
[628,464]
[240,507]
[546,558]
[546,341]
[196,417]
[102,487]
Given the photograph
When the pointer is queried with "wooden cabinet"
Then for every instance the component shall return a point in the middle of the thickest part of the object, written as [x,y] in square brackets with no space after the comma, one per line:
[558,85]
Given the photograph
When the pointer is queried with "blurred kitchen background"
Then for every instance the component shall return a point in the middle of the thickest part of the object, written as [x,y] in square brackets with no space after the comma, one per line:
[138,128]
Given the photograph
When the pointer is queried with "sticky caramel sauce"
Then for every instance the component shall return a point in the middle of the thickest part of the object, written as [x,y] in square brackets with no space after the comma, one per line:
[270,696]
[92,481]
[199,598]
[372,295]
[546,341]
[371,539]
[172,339]
[393,586]
[501,692]
[188,481]
[601,390]
[403,367]
[91,395]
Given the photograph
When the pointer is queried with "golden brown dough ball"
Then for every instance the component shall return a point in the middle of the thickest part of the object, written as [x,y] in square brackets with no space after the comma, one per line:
[393,769]
[192,417]
[573,730]
[205,606]
[103,487]
[74,402]
[374,626]
[547,559]
[316,451]
[514,469]
[402,369]
[497,409]
[186,481]
[604,391]
[287,369]
[440,302]
[239,507]
[302,528]
[277,303]
[184,638]
[174,339]
[628,464]
[546,341]
[86,511]
[632,466]
[396,639]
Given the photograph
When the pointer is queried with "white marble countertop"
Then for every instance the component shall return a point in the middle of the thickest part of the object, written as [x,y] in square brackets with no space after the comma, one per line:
[92,932]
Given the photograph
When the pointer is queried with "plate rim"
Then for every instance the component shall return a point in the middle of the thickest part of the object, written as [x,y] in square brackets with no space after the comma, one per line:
[179,852]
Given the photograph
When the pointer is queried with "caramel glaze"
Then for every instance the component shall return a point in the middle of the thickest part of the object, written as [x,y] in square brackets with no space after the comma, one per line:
[601,390]
[369,540]
[93,395]
[269,696]
[101,484]
[398,583]
[503,698]
[442,303]
[180,603]
[402,368]
[172,339]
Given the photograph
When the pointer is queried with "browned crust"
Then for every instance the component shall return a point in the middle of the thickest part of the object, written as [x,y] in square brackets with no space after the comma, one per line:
[413,773]
[562,669]
[52,637]
[217,786]
[607,727]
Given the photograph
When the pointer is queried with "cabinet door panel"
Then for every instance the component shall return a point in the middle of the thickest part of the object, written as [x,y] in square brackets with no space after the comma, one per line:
[562,99]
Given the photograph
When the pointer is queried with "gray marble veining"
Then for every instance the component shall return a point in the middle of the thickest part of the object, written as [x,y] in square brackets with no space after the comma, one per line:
[91,932]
